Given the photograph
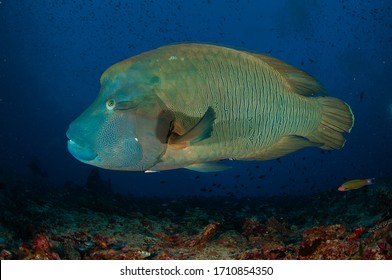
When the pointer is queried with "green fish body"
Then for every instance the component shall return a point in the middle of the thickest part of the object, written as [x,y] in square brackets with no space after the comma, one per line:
[356,184]
[192,105]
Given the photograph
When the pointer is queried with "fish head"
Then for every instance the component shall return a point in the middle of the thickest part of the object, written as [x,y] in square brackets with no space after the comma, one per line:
[343,188]
[126,127]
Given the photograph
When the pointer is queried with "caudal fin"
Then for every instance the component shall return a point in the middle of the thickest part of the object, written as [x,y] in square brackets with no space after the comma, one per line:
[337,118]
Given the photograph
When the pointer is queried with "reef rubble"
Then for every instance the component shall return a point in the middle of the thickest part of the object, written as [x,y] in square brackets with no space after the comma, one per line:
[77,223]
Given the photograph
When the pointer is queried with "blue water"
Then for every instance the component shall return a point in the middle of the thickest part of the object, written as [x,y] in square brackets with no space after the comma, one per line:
[52,54]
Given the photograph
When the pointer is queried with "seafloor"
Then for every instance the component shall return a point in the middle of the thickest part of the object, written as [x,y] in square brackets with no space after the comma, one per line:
[91,222]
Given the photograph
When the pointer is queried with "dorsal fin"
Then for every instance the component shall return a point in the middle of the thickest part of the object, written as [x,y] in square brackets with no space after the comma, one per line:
[295,79]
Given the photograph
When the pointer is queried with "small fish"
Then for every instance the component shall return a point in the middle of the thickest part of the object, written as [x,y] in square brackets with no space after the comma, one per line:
[356,184]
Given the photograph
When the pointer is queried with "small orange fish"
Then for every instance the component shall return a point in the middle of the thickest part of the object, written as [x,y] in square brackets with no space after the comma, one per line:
[356,184]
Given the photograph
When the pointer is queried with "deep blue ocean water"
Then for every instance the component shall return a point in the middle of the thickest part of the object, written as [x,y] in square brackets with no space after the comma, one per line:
[52,54]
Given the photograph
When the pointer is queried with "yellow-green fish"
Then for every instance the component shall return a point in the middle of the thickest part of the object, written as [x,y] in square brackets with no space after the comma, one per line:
[356,184]
[192,105]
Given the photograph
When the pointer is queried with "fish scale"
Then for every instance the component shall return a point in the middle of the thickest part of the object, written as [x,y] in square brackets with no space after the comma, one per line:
[220,88]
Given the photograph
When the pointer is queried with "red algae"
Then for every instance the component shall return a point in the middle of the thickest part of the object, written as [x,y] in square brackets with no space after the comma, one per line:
[41,249]
[325,233]
[251,227]
[206,235]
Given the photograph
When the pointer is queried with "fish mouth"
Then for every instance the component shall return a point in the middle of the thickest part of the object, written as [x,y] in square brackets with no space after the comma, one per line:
[80,152]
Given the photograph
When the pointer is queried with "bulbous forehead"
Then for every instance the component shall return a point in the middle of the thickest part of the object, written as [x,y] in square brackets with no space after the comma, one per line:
[137,68]
[130,78]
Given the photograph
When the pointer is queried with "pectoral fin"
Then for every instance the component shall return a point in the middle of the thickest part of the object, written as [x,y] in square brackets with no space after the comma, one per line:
[200,131]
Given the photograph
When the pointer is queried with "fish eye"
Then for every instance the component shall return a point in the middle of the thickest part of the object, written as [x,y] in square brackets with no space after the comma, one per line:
[110,104]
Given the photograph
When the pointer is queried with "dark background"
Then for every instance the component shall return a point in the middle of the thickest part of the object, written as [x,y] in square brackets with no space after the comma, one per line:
[52,54]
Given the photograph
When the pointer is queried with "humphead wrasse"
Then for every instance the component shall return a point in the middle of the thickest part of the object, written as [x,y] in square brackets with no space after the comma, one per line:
[192,105]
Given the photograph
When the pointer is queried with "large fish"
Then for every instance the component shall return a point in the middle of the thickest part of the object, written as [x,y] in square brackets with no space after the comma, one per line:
[192,105]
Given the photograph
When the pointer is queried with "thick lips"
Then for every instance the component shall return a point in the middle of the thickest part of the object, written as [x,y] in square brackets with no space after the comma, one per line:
[82,153]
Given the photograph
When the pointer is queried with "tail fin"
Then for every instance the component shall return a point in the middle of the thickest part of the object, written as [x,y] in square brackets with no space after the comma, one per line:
[371,181]
[337,118]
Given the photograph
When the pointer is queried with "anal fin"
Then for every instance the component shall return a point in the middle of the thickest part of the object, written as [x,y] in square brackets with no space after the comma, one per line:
[208,167]
[287,144]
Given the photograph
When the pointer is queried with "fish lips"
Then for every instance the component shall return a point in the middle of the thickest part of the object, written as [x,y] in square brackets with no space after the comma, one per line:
[81,152]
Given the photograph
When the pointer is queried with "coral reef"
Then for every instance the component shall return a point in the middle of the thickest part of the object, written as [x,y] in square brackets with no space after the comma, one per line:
[91,222]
